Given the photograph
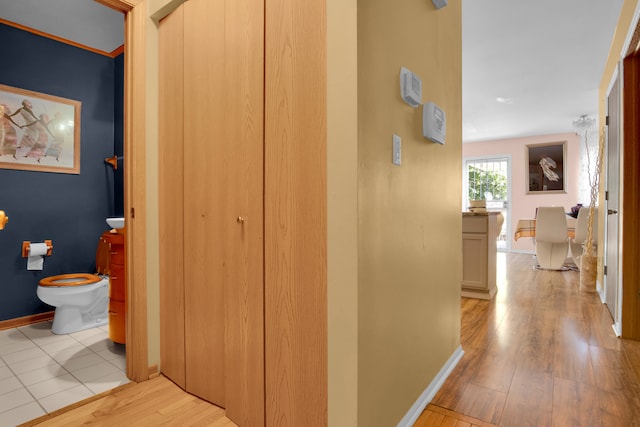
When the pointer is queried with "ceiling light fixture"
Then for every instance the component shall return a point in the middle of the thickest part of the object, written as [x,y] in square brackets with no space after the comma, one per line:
[584,123]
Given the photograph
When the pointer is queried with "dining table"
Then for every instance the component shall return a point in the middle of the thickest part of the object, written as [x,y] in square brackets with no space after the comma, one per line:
[526,227]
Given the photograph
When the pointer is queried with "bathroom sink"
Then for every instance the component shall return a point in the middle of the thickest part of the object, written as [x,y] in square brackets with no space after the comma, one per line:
[115,222]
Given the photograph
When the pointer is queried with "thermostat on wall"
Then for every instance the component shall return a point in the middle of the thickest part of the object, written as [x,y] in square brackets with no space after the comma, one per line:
[439,4]
[434,123]
[410,87]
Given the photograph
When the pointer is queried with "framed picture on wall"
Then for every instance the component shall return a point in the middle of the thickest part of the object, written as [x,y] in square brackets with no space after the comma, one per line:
[39,132]
[545,168]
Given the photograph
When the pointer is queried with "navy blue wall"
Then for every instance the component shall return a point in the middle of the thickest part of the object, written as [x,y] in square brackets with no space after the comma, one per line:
[119,135]
[68,209]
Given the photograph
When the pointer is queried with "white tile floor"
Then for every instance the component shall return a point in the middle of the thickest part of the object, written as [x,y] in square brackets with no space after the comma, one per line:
[41,372]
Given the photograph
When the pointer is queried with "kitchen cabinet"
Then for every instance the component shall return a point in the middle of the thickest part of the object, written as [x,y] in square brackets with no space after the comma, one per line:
[479,234]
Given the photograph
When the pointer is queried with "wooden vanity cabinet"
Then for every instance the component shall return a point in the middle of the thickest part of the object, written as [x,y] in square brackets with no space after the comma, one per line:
[117,285]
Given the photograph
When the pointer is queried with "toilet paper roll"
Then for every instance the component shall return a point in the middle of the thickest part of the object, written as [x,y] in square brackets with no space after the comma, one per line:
[35,260]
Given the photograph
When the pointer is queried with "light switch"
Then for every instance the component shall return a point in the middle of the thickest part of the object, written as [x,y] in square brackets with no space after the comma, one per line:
[397,150]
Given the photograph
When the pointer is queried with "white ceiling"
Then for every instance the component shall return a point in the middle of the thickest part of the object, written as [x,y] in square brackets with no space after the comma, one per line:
[82,21]
[542,58]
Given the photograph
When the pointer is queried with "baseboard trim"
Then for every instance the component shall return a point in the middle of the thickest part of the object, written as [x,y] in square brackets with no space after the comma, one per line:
[153,371]
[26,320]
[617,329]
[427,395]
[600,289]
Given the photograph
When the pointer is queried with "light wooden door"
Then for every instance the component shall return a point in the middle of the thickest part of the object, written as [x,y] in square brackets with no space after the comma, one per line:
[171,196]
[213,256]
[243,189]
[207,209]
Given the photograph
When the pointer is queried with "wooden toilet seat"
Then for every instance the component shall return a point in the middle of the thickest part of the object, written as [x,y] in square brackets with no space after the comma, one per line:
[77,279]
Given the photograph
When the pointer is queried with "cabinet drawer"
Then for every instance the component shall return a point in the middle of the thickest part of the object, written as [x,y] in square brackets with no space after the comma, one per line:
[117,321]
[116,254]
[117,288]
[116,272]
[474,224]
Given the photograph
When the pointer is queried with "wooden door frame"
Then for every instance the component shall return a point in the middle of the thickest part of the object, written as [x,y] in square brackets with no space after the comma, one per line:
[134,185]
[630,205]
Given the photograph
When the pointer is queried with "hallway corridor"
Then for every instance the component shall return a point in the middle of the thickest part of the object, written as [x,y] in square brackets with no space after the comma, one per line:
[542,353]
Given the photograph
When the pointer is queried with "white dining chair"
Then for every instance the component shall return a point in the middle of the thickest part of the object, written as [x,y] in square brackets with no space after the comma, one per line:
[552,243]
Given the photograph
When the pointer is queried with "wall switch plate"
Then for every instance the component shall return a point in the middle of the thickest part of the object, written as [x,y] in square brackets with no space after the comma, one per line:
[397,150]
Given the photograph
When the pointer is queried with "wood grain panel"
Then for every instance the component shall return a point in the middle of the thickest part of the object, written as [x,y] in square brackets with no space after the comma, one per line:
[295,213]
[208,219]
[243,141]
[157,402]
[630,201]
[620,407]
[171,195]
[528,390]
[216,135]
[135,205]
[575,404]
[435,416]
[566,373]
[482,403]
[612,370]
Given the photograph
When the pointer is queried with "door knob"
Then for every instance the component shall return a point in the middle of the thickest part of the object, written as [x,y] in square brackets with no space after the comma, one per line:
[612,211]
[240,219]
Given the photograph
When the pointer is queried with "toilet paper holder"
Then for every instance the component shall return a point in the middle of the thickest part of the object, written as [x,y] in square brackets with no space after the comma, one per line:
[26,245]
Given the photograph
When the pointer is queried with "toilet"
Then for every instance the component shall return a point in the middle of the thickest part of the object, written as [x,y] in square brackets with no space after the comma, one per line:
[81,299]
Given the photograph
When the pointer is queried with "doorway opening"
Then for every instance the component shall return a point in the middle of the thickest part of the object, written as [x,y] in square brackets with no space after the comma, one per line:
[489,178]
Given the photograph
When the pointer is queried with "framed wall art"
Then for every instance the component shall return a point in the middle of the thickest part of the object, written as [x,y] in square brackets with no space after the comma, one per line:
[545,167]
[39,132]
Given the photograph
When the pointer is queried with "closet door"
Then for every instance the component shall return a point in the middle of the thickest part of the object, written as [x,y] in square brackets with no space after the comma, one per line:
[296,213]
[171,196]
[243,142]
[221,206]
[207,210]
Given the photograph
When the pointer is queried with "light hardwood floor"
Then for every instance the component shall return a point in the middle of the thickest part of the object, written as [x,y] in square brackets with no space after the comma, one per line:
[157,402]
[541,353]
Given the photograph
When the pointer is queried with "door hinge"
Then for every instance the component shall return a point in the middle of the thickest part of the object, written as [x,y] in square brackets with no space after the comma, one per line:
[606,120]
[606,195]
[605,270]
[133,212]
